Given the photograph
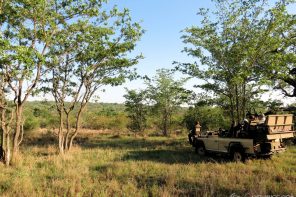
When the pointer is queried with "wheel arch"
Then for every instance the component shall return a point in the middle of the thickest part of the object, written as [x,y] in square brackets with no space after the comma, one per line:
[235,146]
[198,142]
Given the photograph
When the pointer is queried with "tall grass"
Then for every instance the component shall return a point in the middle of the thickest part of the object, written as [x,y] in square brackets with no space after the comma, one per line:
[101,165]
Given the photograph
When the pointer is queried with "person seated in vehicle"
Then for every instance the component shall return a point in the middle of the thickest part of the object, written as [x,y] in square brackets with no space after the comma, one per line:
[244,133]
[222,132]
[233,131]
[230,132]
[195,130]
[261,118]
[253,120]
[236,130]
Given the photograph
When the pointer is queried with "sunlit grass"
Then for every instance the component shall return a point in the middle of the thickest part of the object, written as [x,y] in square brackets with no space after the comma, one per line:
[104,165]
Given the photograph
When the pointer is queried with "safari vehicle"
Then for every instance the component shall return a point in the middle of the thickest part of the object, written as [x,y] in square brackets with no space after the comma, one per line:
[251,139]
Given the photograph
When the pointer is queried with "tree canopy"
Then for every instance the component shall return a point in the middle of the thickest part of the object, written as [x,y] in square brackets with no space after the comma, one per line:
[76,45]
[232,44]
[166,95]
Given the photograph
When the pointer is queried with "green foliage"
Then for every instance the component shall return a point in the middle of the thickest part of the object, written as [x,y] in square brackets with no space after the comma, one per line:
[31,124]
[116,123]
[42,114]
[136,109]
[98,116]
[93,50]
[166,95]
[210,118]
[105,116]
[232,44]
[278,62]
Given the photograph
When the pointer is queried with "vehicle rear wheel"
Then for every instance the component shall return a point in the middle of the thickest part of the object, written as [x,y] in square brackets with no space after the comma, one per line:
[238,156]
[200,150]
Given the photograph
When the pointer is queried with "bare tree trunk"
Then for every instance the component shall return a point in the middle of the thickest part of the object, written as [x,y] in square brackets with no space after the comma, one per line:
[61,134]
[18,119]
[232,102]
[237,104]
[165,123]
[6,129]
[232,109]
[244,101]
[66,144]
[3,138]
[7,149]
[77,126]
[3,116]
[165,129]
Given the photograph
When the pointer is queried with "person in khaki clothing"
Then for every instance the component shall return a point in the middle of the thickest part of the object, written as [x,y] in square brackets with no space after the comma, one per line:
[197,128]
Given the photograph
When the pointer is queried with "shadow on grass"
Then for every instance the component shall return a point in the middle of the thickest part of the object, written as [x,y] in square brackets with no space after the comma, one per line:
[164,156]
[164,150]
[181,156]
[127,143]
[105,142]
[42,140]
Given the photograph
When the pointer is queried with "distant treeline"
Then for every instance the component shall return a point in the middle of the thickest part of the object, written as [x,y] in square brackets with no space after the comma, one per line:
[40,114]
[112,116]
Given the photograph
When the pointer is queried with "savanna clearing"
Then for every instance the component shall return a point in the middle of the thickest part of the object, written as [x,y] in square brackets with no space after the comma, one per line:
[112,165]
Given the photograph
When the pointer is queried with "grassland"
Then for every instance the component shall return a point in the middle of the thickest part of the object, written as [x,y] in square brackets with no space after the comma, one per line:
[108,165]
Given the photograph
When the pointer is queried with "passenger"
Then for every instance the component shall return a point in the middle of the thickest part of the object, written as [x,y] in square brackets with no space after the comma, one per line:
[197,128]
[261,119]
[253,120]
[246,126]
[236,130]
[192,132]
[221,132]
[230,132]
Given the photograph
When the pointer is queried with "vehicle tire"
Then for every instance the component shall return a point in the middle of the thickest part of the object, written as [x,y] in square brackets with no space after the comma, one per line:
[237,155]
[200,150]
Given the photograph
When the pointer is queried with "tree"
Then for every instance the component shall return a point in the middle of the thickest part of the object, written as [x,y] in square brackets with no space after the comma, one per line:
[86,55]
[166,96]
[7,116]
[137,110]
[27,31]
[278,64]
[229,47]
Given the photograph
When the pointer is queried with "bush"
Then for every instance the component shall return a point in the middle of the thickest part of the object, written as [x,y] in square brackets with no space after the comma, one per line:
[31,124]
[210,118]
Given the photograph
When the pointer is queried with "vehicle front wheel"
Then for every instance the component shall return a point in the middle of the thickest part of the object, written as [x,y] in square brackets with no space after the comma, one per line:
[238,156]
[200,150]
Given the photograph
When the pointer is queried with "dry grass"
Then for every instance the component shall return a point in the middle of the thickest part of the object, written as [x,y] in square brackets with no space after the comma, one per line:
[101,165]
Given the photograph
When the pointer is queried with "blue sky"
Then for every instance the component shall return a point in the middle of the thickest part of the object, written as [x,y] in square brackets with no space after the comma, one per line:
[161,45]
[163,21]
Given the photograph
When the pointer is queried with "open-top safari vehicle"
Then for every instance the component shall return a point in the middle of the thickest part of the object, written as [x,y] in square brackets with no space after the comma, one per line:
[254,138]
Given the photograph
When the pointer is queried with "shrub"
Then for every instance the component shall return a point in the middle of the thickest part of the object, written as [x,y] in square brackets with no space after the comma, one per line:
[31,123]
